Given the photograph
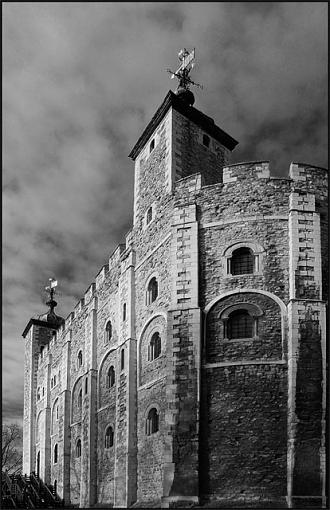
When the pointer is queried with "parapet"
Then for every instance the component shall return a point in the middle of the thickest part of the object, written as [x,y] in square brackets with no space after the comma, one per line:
[250,169]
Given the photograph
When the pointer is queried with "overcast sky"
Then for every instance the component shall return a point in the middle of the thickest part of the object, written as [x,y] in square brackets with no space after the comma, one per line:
[80,83]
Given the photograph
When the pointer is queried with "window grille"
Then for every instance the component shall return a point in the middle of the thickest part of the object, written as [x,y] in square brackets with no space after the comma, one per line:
[152,423]
[242,261]
[108,439]
[155,347]
[240,325]
[108,331]
[78,448]
[152,291]
[110,377]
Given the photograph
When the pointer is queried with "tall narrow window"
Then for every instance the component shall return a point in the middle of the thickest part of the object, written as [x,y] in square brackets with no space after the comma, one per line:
[78,448]
[152,291]
[55,453]
[242,261]
[152,423]
[110,377]
[38,394]
[151,146]
[42,351]
[240,324]
[80,399]
[206,140]
[54,380]
[56,411]
[80,359]
[108,439]
[122,359]
[108,331]
[86,385]
[124,311]
[155,347]
[149,215]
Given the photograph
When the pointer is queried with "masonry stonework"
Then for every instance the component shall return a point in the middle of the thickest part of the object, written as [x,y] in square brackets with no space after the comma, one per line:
[211,385]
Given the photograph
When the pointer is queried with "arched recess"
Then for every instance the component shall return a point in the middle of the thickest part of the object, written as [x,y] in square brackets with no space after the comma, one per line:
[153,329]
[53,416]
[99,376]
[79,379]
[270,295]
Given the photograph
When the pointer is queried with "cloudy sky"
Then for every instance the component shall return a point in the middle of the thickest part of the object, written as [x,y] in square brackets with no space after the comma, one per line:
[81,81]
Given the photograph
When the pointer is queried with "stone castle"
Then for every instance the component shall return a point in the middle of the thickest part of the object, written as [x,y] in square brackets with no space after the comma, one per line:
[193,368]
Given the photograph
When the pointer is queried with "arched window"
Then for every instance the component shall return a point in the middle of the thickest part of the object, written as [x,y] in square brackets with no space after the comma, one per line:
[155,347]
[108,331]
[108,438]
[110,377]
[78,448]
[242,261]
[151,146]
[124,311]
[55,453]
[240,324]
[152,423]
[206,141]
[149,215]
[152,291]
[80,399]
[80,359]
[122,359]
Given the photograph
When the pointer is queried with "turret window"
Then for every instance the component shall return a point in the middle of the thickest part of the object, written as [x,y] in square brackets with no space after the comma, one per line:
[152,423]
[155,347]
[152,291]
[108,439]
[110,377]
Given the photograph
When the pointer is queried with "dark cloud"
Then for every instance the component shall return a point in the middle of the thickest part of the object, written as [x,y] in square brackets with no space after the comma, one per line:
[80,83]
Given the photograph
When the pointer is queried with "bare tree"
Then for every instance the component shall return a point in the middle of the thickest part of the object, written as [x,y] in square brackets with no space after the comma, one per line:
[11,451]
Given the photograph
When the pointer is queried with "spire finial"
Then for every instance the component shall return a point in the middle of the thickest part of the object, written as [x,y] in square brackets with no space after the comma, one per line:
[187,63]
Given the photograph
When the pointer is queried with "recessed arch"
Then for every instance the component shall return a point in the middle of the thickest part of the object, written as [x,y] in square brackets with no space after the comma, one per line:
[145,326]
[105,356]
[73,394]
[270,295]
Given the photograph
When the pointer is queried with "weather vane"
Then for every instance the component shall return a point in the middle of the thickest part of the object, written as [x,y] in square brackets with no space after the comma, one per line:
[187,63]
[50,289]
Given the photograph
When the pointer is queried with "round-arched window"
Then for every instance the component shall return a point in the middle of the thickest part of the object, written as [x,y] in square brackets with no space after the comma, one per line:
[240,324]
[108,438]
[152,423]
[108,331]
[242,261]
[152,291]
[110,381]
[154,347]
